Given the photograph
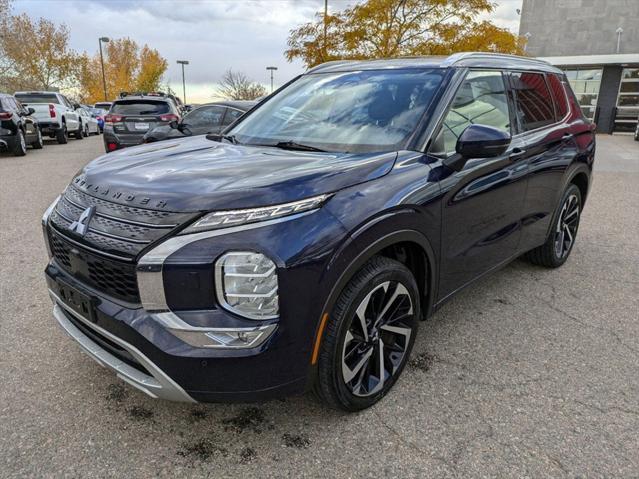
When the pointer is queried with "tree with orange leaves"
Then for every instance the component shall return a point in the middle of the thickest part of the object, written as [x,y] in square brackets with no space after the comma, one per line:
[391,28]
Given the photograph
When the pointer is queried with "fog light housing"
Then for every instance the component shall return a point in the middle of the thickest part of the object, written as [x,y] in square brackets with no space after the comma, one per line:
[246,284]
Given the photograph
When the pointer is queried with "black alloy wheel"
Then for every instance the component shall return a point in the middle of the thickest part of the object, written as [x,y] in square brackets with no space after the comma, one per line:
[369,335]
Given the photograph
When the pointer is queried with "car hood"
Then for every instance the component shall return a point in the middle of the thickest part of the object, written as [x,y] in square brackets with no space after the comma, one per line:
[197,174]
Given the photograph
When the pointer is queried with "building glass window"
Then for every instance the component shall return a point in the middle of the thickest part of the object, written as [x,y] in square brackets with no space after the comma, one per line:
[585,84]
[628,101]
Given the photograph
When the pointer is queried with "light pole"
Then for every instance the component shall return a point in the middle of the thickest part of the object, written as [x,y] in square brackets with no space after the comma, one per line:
[527,36]
[183,62]
[100,41]
[619,31]
[272,70]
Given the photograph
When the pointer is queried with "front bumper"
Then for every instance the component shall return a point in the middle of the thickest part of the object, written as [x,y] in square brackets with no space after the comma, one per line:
[151,380]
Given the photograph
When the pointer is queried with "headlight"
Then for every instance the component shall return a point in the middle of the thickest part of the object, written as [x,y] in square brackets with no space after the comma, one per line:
[225,219]
[246,284]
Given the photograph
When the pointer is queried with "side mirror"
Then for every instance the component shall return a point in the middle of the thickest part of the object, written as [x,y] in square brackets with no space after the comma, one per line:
[478,141]
[30,110]
[174,124]
[76,106]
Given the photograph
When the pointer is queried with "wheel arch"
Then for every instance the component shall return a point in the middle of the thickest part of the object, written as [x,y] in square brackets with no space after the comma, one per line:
[409,246]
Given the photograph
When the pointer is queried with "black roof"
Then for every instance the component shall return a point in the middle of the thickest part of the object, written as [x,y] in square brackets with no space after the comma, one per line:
[471,59]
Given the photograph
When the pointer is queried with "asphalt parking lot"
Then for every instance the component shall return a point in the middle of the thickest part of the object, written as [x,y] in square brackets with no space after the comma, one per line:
[530,373]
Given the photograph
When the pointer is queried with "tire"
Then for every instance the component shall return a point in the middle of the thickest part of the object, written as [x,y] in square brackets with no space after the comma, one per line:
[61,135]
[20,146]
[557,248]
[85,131]
[79,133]
[349,359]
[39,142]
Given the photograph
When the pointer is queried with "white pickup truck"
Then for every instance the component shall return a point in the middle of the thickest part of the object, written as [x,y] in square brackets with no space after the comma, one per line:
[56,114]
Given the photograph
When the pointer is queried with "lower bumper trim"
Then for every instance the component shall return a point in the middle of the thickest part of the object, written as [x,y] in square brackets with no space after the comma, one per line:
[157,385]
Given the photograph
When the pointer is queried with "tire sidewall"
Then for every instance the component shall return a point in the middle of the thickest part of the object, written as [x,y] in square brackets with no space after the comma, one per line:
[39,143]
[20,148]
[345,398]
[61,135]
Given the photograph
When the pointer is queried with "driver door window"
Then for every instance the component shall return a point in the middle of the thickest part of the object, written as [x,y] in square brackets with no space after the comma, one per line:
[481,99]
[205,117]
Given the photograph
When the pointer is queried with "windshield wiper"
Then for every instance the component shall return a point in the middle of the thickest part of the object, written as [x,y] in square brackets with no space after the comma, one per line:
[293,145]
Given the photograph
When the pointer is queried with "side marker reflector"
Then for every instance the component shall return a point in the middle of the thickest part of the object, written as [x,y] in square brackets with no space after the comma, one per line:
[318,339]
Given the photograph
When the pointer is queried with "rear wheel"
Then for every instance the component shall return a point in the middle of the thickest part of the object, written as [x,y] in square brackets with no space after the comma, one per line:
[85,132]
[79,133]
[38,143]
[20,147]
[61,135]
[369,335]
[555,251]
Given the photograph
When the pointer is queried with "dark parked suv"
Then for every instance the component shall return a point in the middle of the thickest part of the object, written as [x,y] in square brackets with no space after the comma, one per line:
[300,249]
[18,128]
[133,115]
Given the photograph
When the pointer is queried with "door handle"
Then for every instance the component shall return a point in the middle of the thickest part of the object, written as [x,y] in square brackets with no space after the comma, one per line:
[566,137]
[516,154]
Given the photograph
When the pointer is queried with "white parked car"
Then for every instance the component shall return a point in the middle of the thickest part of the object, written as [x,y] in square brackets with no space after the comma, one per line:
[56,114]
[89,123]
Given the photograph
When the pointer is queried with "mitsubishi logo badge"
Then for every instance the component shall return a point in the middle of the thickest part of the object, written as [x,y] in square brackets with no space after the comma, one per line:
[81,225]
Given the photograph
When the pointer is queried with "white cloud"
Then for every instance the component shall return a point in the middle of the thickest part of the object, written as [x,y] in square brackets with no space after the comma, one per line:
[213,35]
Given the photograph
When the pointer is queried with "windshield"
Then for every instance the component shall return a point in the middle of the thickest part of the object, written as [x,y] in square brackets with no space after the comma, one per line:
[37,98]
[140,107]
[362,111]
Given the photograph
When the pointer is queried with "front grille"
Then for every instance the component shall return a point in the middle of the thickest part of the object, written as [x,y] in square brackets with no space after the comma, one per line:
[113,277]
[105,256]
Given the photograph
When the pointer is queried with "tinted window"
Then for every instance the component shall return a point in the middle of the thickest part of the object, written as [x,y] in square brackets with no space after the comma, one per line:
[231,115]
[532,100]
[481,100]
[140,107]
[559,95]
[205,116]
[346,111]
[37,97]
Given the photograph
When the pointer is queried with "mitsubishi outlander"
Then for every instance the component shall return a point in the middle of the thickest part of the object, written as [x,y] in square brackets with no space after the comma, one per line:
[300,249]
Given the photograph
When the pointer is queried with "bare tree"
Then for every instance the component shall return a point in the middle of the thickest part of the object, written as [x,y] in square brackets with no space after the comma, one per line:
[237,86]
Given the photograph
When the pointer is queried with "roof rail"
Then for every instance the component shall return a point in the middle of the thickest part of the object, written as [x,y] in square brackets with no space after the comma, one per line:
[456,58]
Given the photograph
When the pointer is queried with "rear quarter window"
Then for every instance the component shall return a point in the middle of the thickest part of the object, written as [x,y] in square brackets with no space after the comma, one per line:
[140,107]
[559,94]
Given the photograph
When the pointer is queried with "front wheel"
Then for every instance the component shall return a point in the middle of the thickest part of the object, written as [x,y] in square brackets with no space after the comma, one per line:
[555,251]
[368,336]
[38,143]
[20,148]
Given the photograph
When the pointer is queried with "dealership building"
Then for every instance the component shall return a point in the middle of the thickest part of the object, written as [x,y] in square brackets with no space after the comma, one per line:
[596,42]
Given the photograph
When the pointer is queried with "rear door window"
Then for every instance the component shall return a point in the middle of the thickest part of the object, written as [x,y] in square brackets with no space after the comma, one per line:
[533,101]
[481,100]
[140,107]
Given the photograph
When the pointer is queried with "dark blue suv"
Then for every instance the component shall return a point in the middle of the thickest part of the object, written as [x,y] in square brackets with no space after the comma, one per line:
[300,249]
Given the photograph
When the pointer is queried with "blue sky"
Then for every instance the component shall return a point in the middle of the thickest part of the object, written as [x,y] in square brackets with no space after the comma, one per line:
[213,35]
